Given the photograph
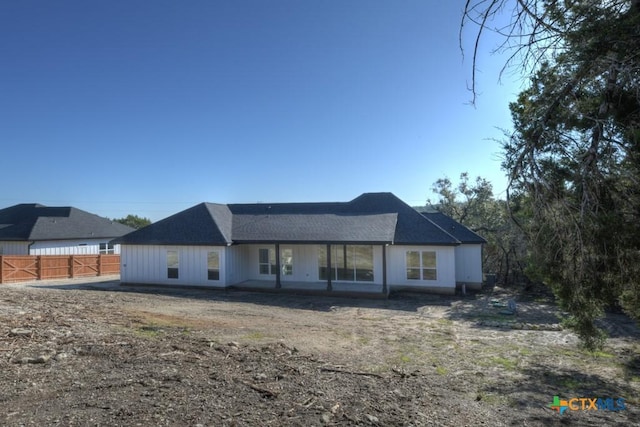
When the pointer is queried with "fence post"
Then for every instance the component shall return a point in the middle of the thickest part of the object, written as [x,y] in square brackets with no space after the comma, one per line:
[39,267]
[1,269]
[71,266]
[99,265]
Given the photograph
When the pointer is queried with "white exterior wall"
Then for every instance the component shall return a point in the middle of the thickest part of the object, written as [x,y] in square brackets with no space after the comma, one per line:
[445,267]
[148,264]
[469,265]
[14,248]
[69,247]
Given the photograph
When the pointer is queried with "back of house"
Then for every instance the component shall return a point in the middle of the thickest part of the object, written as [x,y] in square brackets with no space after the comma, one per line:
[372,244]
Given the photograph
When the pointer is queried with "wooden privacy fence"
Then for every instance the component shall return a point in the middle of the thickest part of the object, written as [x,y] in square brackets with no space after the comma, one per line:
[19,268]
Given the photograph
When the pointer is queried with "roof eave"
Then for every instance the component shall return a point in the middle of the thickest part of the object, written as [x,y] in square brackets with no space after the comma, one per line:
[313,242]
[167,243]
[428,243]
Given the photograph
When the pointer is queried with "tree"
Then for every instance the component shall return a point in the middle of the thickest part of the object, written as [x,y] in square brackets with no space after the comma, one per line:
[134,221]
[474,205]
[574,155]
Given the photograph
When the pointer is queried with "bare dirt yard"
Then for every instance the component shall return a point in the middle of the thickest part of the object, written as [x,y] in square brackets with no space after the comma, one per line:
[92,352]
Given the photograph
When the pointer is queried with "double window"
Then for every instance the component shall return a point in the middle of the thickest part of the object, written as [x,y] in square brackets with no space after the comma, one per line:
[421,265]
[267,261]
[107,249]
[352,263]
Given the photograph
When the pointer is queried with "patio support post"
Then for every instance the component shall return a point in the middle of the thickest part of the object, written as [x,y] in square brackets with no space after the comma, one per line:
[329,271]
[384,269]
[278,284]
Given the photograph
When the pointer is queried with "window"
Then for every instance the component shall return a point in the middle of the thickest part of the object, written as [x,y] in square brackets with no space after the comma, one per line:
[106,248]
[323,271]
[267,261]
[286,261]
[352,263]
[421,265]
[213,266]
[172,264]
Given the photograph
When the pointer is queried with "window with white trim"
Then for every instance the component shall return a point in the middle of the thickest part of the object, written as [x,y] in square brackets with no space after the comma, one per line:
[107,249]
[173,264]
[286,261]
[267,261]
[213,265]
[421,265]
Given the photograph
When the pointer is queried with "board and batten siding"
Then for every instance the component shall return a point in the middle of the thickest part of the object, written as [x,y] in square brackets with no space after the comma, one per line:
[469,265]
[148,264]
[14,248]
[69,247]
[55,247]
[236,265]
[445,266]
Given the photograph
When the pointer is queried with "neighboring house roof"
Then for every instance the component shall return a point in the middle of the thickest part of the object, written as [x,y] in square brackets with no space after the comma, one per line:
[369,218]
[453,227]
[35,222]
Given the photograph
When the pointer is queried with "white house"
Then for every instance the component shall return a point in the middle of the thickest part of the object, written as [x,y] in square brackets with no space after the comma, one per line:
[468,253]
[375,243]
[34,229]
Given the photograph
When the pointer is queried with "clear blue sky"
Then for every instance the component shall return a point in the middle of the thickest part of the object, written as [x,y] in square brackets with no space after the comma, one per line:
[149,107]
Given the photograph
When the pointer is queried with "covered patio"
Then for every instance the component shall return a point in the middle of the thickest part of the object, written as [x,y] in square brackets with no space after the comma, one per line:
[320,287]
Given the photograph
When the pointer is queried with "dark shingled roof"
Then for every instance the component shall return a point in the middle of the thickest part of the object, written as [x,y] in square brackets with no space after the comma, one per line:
[309,222]
[454,228]
[411,229]
[203,224]
[370,218]
[314,228]
[34,222]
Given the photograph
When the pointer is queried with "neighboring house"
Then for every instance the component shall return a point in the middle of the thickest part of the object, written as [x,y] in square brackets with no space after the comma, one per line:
[33,229]
[468,253]
[375,243]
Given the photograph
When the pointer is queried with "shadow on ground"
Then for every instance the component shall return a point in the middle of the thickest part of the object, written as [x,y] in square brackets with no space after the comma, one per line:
[485,309]
[402,302]
[567,383]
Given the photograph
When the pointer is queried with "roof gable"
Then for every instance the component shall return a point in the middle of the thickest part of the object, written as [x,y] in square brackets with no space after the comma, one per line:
[412,228]
[453,227]
[197,225]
